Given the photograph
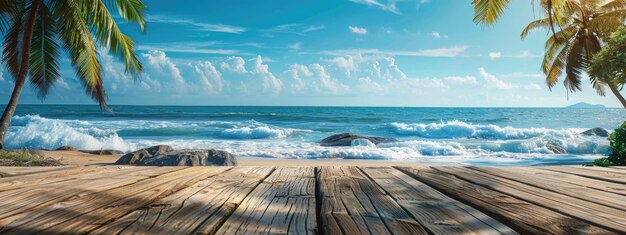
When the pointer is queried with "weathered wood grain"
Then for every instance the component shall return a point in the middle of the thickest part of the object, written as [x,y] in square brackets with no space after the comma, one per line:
[610,176]
[87,212]
[353,204]
[434,210]
[565,178]
[583,193]
[525,217]
[199,208]
[45,178]
[9,171]
[599,215]
[284,203]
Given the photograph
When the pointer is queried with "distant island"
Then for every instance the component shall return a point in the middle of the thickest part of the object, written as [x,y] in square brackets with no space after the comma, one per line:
[583,105]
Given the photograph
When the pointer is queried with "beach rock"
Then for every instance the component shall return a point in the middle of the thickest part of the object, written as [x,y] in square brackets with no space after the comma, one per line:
[556,148]
[190,158]
[103,152]
[137,156]
[596,132]
[66,148]
[345,139]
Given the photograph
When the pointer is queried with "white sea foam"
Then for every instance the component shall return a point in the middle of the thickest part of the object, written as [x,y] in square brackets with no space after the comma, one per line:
[257,130]
[34,131]
[459,129]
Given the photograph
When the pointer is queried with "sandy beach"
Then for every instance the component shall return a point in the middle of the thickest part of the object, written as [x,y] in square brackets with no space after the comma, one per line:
[76,158]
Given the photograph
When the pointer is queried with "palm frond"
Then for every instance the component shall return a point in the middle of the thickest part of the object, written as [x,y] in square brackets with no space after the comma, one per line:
[613,5]
[76,37]
[537,24]
[109,35]
[44,68]
[487,12]
[11,52]
[131,11]
[8,10]
[575,66]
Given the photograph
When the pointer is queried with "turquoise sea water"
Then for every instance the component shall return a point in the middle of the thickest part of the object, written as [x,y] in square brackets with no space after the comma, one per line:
[480,136]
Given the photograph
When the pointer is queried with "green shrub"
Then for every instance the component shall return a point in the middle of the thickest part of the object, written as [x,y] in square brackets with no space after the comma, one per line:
[25,158]
[617,141]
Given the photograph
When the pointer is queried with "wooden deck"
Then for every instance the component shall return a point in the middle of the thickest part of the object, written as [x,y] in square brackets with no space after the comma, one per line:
[323,200]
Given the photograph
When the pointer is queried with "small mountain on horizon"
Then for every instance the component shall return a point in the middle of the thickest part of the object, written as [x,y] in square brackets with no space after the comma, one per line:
[583,105]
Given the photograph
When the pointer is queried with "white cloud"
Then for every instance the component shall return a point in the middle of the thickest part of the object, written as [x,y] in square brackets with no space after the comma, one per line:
[188,47]
[198,26]
[210,78]
[313,28]
[521,55]
[235,64]
[270,82]
[346,63]
[438,35]
[492,81]
[295,46]
[315,78]
[522,75]
[385,6]
[533,86]
[159,61]
[438,52]
[1,75]
[495,55]
[462,80]
[357,30]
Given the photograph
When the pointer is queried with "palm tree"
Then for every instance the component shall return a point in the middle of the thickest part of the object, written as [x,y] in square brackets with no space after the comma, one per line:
[582,25]
[37,29]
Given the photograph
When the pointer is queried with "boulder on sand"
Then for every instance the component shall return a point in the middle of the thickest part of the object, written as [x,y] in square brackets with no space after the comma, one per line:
[66,148]
[345,139]
[596,132]
[137,156]
[102,152]
[164,155]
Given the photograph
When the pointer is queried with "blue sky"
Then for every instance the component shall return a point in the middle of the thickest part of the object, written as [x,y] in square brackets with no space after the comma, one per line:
[326,52]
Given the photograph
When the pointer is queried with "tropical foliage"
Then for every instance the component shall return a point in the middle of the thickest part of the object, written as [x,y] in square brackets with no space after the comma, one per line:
[617,141]
[35,31]
[610,63]
[579,29]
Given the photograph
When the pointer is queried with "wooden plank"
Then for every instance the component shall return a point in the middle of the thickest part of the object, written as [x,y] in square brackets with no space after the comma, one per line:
[432,209]
[46,178]
[82,214]
[598,215]
[284,203]
[589,173]
[525,217]
[575,180]
[353,204]
[10,171]
[583,193]
[199,208]
[20,202]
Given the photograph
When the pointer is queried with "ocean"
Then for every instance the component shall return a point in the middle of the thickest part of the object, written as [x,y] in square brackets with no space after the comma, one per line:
[469,136]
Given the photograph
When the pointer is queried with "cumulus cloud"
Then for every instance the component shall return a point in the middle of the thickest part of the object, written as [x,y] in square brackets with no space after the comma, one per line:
[495,55]
[270,82]
[462,80]
[234,64]
[313,78]
[210,78]
[159,61]
[357,30]
[493,81]
[347,64]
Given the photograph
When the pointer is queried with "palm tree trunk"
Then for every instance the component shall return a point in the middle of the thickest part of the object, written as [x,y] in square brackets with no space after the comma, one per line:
[619,96]
[21,76]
